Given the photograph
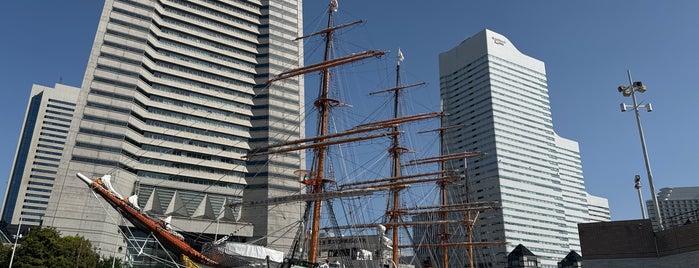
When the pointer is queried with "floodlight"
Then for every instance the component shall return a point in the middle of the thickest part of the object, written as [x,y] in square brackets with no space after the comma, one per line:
[641,89]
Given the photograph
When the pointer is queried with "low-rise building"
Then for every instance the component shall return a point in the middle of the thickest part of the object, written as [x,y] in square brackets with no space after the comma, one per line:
[633,243]
[678,206]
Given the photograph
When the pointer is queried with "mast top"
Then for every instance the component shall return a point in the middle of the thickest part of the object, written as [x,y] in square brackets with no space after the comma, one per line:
[333,5]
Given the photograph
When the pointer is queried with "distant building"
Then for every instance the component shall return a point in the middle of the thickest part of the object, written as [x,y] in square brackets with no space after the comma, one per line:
[521,257]
[500,98]
[633,243]
[598,208]
[41,145]
[678,206]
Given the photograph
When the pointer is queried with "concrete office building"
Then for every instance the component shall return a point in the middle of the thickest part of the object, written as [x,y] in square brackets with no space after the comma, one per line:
[500,97]
[678,206]
[599,208]
[41,145]
[172,99]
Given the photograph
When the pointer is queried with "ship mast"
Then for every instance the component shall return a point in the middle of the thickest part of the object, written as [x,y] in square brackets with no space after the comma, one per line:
[323,104]
[316,179]
[470,219]
[396,152]
[444,236]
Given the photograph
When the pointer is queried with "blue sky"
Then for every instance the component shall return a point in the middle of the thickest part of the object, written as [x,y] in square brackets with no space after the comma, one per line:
[587,47]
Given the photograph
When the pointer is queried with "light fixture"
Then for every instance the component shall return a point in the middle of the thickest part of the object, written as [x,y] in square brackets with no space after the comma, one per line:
[638,86]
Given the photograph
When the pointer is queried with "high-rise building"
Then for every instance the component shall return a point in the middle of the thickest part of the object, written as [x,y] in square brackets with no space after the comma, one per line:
[499,97]
[173,98]
[42,140]
[678,206]
[599,208]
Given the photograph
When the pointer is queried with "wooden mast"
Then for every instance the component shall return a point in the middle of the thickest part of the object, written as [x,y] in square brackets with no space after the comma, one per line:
[396,152]
[444,236]
[395,182]
[470,219]
[323,105]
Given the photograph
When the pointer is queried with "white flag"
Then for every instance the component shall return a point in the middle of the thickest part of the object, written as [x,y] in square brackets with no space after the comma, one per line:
[400,56]
[333,5]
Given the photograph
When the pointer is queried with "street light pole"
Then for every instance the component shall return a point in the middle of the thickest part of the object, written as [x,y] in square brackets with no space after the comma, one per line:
[637,185]
[631,91]
[14,247]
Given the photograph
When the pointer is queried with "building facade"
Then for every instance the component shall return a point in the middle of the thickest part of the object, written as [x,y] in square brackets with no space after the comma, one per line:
[41,145]
[276,118]
[678,206]
[500,98]
[599,208]
[173,98]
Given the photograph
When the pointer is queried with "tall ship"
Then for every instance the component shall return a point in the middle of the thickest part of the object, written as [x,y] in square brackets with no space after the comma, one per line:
[379,224]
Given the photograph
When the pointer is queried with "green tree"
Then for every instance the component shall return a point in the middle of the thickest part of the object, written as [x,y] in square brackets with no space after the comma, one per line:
[107,263]
[44,247]
[5,252]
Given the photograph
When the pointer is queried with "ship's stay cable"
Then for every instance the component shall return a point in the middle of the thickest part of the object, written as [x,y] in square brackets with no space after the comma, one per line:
[143,162]
[144,152]
[130,237]
[161,142]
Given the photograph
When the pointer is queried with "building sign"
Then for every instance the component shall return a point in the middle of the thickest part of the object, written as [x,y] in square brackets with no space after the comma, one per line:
[498,41]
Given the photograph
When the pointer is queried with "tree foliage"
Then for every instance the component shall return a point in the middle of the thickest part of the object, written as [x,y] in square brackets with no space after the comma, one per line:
[44,247]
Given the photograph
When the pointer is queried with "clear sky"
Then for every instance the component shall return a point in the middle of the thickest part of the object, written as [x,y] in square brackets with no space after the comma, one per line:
[587,47]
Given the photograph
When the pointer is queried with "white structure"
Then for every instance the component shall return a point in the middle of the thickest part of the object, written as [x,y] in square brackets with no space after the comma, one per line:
[172,99]
[678,206]
[500,97]
[41,145]
[599,208]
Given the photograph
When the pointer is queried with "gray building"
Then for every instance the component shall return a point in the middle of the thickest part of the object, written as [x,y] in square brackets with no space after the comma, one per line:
[173,98]
[500,98]
[42,141]
[678,206]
